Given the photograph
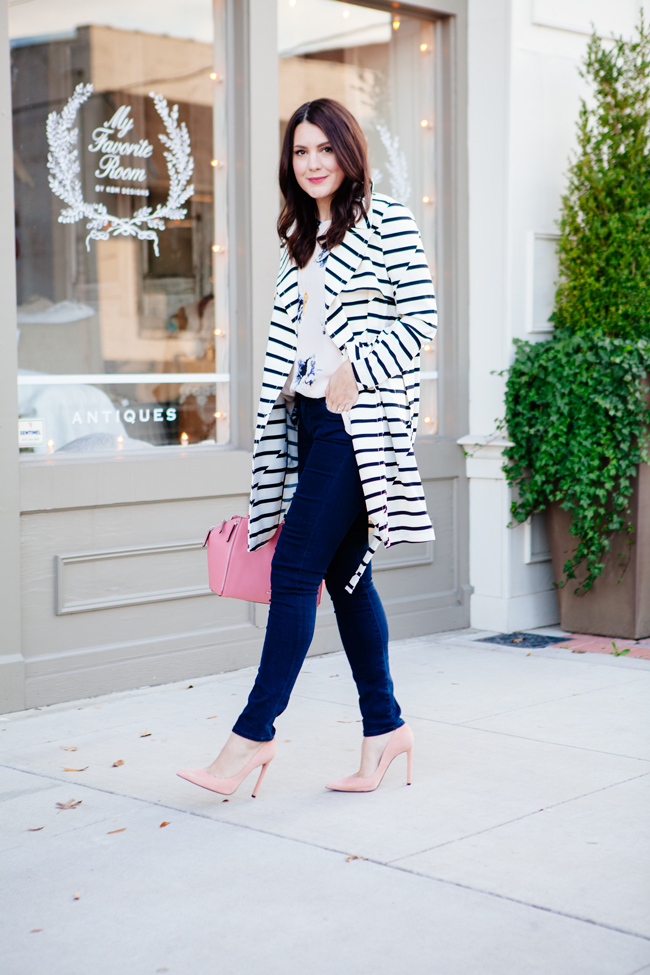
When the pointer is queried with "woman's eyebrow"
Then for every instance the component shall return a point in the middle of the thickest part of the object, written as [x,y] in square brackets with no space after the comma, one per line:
[321,145]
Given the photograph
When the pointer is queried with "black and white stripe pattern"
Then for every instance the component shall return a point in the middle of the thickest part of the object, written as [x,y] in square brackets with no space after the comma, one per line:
[381,310]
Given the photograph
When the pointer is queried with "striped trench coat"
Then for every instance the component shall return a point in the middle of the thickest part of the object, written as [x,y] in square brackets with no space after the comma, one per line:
[380,310]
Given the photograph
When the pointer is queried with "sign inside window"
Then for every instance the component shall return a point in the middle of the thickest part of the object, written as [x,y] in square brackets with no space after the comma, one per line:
[30,433]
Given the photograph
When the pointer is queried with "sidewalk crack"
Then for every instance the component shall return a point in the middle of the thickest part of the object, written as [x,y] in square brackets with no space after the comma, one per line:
[518,819]
[387,865]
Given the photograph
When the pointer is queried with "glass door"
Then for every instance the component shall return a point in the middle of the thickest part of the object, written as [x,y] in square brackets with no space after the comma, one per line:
[381,66]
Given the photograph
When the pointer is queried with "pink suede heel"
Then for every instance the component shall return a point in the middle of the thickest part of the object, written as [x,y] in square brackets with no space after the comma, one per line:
[226,787]
[402,741]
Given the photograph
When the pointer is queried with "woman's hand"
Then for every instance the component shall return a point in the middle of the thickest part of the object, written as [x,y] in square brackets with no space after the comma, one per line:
[342,391]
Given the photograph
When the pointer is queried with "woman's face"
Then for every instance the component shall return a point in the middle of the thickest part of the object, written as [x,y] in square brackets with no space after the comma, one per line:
[314,164]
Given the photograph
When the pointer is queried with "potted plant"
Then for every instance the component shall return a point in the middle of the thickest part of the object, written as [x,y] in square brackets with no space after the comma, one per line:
[577,410]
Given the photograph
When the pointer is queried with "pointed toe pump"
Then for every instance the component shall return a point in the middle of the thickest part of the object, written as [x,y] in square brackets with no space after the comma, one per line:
[226,787]
[402,741]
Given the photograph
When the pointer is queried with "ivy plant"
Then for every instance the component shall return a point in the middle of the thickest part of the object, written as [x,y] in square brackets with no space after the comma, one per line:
[577,416]
[577,405]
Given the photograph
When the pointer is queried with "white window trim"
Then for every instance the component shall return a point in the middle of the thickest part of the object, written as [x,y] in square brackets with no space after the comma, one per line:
[531,237]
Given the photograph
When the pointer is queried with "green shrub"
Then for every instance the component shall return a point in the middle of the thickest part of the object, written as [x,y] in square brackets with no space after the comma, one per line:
[604,249]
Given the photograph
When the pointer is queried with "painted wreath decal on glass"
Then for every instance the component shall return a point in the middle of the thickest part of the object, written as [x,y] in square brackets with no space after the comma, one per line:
[63,164]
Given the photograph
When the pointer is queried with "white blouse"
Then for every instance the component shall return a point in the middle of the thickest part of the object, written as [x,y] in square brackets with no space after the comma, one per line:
[317,357]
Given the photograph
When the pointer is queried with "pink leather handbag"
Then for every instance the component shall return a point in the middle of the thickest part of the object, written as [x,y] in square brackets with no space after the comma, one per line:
[233,570]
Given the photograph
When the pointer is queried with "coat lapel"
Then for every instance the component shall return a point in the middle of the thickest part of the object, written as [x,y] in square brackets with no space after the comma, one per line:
[345,259]
[341,264]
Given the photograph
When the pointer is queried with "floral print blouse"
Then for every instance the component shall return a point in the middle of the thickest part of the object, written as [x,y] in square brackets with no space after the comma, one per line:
[317,357]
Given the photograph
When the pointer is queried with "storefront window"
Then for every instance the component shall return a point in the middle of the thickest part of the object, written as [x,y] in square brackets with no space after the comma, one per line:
[120,229]
[382,67]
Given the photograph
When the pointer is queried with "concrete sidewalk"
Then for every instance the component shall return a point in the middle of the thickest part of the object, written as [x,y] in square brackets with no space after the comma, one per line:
[521,847]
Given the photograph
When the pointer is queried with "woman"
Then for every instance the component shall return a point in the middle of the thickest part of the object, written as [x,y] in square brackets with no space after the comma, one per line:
[334,442]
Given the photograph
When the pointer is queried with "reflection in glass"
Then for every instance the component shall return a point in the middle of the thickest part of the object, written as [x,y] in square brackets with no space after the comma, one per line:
[123,341]
[382,67]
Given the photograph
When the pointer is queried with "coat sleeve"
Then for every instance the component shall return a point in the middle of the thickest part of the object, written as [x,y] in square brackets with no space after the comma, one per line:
[415,320]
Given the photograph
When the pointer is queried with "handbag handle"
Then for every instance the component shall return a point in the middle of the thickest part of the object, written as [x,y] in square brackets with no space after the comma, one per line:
[234,521]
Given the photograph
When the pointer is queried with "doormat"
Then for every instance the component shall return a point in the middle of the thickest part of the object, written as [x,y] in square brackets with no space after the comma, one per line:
[526,641]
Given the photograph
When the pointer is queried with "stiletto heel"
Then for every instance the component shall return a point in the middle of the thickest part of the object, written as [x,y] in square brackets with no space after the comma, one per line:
[402,741]
[259,781]
[225,787]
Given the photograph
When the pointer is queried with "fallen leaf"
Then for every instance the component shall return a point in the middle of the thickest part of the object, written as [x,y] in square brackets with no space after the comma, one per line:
[166,823]
[70,804]
[145,734]
[529,654]
[353,857]
[119,762]
[518,639]
[116,831]
[575,651]
[342,721]
[35,829]
[225,800]
[35,930]
[77,896]
[68,748]
[334,675]
[189,687]
[66,769]
[212,716]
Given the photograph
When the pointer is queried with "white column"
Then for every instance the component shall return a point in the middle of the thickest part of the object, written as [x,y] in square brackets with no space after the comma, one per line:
[510,568]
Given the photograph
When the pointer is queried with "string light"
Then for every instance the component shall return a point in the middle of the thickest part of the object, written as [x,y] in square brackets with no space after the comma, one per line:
[427,348]
[120,442]
[216,163]
[50,446]
[428,419]
[217,248]
[425,123]
[214,76]
[424,48]
[219,415]
[396,23]
[426,199]
[184,439]
[218,331]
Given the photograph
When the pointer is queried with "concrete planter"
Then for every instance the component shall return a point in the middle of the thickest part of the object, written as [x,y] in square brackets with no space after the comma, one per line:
[610,608]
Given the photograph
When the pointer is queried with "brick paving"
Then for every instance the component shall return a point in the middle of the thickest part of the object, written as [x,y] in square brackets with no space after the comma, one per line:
[584,643]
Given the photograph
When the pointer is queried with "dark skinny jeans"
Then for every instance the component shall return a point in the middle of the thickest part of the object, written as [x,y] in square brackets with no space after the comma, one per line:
[325,535]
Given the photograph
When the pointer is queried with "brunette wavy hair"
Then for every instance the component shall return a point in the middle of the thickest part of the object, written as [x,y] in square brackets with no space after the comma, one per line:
[298,221]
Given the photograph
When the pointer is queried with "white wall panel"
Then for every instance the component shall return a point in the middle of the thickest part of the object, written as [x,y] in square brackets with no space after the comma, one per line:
[609,16]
